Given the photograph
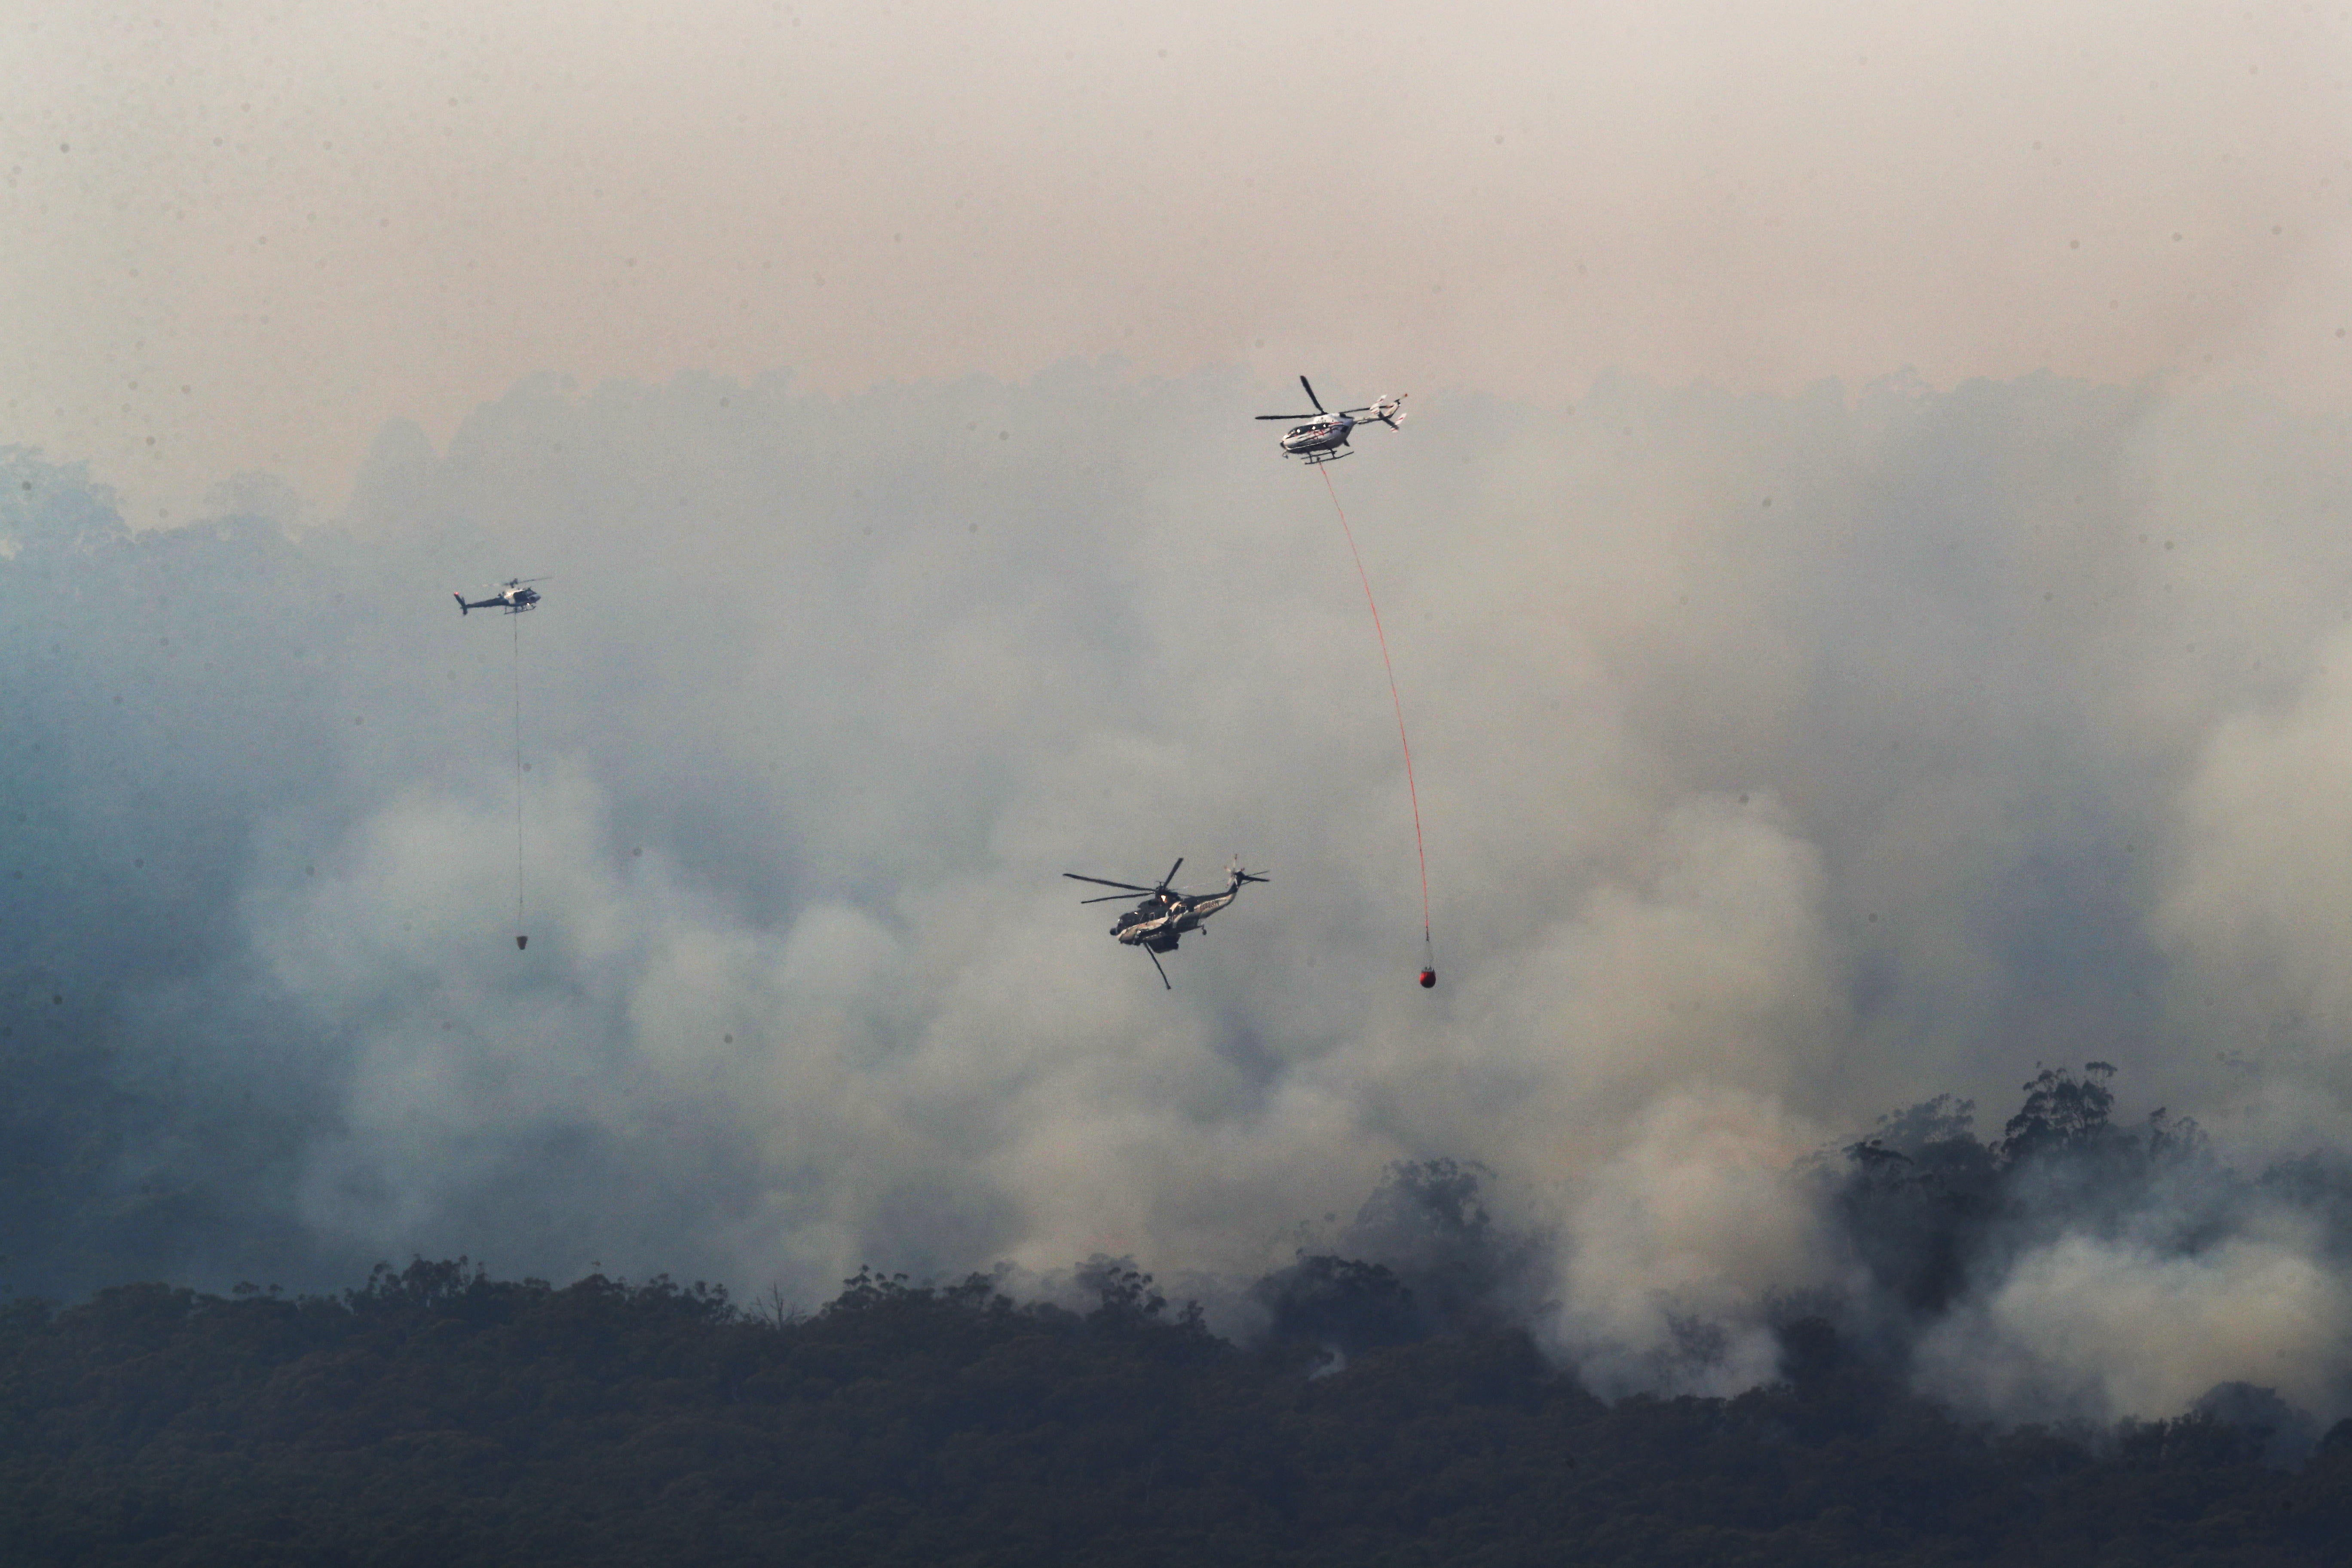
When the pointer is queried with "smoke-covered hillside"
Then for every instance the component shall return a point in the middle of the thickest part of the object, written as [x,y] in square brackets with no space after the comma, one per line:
[1784,761]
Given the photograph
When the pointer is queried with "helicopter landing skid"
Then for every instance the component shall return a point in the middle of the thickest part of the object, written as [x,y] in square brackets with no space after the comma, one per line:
[1317,459]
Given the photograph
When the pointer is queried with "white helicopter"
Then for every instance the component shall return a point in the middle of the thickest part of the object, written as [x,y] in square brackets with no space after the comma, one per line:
[511,597]
[1160,920]
[1325,434]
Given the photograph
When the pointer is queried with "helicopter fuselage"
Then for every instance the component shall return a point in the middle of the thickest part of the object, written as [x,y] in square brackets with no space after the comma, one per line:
[1319,440]
[1165,915]
[1324,437]
[1160,925]
[513,603]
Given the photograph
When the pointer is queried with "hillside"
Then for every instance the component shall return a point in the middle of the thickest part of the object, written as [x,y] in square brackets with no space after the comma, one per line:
[439,1415]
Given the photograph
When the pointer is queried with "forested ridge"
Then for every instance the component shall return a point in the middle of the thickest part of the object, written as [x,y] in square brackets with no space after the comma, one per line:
[439,1415]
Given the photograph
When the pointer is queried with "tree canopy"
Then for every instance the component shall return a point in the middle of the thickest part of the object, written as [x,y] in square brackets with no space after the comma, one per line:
[436,1414]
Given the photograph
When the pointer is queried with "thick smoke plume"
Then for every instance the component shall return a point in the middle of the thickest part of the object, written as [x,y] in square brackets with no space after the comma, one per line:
[1785,760]
[2074,1265]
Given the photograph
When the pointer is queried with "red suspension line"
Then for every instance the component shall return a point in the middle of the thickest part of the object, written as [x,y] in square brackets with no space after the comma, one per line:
[1411,793]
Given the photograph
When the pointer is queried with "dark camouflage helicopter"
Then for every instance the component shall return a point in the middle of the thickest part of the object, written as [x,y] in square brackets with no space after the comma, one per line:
[1321,438]
[1160,920]
[511,597]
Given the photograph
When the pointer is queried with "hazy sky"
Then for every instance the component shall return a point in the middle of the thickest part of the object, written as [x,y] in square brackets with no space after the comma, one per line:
[250,233]
[876,383]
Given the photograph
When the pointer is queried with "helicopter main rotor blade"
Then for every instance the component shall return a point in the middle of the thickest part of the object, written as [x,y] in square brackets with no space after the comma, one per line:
[1316,415]
[1171,875]
[1106,882]
[1310,393]
[1109,898]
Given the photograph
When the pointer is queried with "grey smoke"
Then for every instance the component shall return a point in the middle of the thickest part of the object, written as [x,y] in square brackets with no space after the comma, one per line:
[1784,759]
[2074,1265]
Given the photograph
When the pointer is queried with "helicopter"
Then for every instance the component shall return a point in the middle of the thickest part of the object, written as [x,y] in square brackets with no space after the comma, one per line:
[1322,439]
[1160,920]
[511,597]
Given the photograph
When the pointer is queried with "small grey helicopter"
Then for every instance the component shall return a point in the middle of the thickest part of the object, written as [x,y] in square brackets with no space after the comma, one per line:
[512,597]
[1324,437]
[1160,920]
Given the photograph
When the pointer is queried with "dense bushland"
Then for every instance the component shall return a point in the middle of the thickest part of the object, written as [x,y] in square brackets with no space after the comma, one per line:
[440,1416]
